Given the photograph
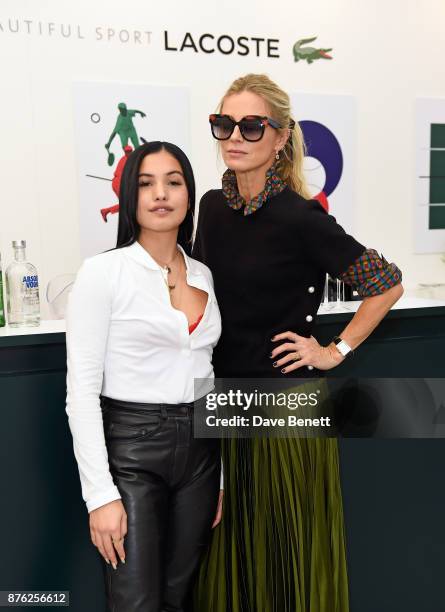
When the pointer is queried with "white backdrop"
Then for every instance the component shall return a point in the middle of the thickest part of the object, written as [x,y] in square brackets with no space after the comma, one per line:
[379,59]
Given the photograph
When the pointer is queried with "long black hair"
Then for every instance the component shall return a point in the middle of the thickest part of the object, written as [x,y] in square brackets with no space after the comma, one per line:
[129,228]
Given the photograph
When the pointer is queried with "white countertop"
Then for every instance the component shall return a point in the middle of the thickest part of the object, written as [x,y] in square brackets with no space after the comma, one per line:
[46,327]
[404,302]
[58,325]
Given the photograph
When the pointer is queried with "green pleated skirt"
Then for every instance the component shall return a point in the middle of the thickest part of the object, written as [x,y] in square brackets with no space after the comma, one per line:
[280,546]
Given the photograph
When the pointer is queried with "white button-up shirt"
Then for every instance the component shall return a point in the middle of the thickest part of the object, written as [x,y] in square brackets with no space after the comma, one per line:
[126,341]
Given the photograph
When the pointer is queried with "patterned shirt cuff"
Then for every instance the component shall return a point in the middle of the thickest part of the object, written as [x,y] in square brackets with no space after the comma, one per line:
[371,274]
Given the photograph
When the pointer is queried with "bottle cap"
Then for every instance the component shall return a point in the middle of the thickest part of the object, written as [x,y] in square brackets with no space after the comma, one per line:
[19,243]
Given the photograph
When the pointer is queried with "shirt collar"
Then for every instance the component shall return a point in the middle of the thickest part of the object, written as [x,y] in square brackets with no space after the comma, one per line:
[274,185]
[137,252]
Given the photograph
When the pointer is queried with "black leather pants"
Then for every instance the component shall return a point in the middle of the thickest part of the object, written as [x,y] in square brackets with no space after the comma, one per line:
[169,483]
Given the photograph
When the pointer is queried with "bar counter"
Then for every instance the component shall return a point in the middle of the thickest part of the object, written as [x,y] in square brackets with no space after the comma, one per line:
[394,498]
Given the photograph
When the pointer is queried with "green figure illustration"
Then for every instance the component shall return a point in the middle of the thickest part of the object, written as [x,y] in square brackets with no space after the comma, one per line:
[125,128]
[309,53]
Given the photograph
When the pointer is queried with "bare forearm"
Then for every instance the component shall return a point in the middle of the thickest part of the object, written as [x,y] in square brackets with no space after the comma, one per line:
[308,352]
[369,314]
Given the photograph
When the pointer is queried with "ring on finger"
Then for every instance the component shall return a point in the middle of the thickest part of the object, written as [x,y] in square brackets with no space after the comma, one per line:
[296,356]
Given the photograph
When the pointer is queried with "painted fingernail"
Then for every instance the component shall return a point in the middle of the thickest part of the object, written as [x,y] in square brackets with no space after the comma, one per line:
[271,355]
[274,364]
[123,560]
[283,370]
[108,561]
[114,565]
[273,338]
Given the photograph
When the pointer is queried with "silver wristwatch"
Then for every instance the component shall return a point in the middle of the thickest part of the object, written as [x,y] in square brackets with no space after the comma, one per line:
[342,346]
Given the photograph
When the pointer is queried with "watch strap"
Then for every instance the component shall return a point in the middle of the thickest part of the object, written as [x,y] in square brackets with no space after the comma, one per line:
[342,346]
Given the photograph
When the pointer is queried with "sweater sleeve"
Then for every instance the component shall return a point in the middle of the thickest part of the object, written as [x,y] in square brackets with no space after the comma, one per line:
[371,274]
[326,242]
[87,323]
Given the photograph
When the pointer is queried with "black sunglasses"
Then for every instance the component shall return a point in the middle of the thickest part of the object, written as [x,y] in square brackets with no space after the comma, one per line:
[251,127]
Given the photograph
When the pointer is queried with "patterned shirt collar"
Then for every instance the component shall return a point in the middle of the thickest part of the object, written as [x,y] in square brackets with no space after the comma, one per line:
[274,185]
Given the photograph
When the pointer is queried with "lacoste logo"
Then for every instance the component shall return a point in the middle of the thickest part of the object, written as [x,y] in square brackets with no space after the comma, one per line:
[309,54]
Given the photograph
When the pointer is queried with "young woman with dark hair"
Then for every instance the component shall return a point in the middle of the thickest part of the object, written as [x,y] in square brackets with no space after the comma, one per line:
[129,227]
[141,324]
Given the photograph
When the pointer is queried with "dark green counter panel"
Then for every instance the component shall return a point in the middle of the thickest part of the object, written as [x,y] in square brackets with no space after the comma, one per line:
[407,343]
[394,498]
[44,521]
[416,358]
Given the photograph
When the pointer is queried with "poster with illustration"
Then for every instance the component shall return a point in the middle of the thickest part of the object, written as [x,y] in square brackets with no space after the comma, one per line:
[329,128]
[429,208]
[111,120]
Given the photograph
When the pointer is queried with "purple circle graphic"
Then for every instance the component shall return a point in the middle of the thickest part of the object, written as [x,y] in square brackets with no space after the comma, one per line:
[324,146]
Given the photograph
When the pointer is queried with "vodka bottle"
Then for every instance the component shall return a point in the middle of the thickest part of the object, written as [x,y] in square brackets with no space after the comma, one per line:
[2,308]
[22,289]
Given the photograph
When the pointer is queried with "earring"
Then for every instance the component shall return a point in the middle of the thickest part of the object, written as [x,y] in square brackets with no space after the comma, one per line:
[277,156]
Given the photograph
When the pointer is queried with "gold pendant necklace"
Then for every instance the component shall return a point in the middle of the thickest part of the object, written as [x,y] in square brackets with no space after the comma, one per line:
[166,270]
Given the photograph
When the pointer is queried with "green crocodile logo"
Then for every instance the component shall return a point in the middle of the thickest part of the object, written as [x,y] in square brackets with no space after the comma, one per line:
[309,53]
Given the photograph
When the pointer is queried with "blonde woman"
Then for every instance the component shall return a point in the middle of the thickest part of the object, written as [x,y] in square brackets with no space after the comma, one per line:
[281,544]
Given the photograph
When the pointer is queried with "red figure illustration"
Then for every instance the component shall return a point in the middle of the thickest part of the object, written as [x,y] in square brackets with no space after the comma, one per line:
[116,183]
[321,197]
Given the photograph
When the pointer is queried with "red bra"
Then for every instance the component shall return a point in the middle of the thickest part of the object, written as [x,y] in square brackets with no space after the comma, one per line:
[194,325]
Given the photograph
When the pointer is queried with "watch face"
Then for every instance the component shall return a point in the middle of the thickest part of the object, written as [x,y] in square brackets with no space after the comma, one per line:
[343,347]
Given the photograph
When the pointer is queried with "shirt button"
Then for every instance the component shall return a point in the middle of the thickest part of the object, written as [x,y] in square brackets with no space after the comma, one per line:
[309,318]
[311,289]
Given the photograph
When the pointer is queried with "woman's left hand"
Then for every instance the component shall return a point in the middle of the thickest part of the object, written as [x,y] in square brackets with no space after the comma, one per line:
[219,508]
[307,351]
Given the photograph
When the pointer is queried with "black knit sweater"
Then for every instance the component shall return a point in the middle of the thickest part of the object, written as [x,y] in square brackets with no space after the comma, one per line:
[269,271]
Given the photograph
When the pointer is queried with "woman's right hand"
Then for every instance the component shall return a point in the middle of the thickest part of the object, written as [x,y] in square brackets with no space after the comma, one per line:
[108,527]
